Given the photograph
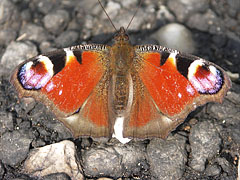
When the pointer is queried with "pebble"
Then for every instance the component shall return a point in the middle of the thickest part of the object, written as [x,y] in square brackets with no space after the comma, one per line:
[55,158]
[2,170]
[17,52]
[225,111]
[67,38]
[57,21]
[34,33]
[14,147]
[205,143]
[184,9]
[56,176]
[9,15]
[112,9]
[45,6]
[226,166]
[167,159]
[6,36]
[176,36]
[213,170]
[6,122]
[112,161]
[164,13]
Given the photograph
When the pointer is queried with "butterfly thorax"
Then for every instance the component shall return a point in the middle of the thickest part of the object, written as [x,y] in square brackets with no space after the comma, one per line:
[122,54]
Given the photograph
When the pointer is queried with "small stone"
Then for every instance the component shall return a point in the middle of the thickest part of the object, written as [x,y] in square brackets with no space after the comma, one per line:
[14,147]
[6,122]
[167,158]
[184,9]
[205,144]
[164,13]
[176,36]
[2,170]
[17,52]
[213,170]
[104,178]
[46,46]
[112,9]
[56,176]
[6,36]
[227,111]
[125,17]
[112,161]
[129,3]
[34,32]
[198,21]
[55,158]
[45,6]
[226,166]
[9,15]
[57,21]
[67,38]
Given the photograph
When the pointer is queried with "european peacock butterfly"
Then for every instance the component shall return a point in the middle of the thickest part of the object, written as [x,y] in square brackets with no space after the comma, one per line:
[121,90]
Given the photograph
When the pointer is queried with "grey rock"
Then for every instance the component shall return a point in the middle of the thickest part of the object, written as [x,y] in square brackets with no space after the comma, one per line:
[6,36]
[164,13]
[176,36]
[46,46]
[112,9]
[234,7]
[184,9]
[56,176]
[6,122]
[62,131]
[226,166]
[112,161]
[14,147]
[2,170]
[205,144]
[55,158]
[33,32]
[167,158]
[67,38]
[45,6]
[9,15]
[57,21]
[228,112]
[38,143]
[17,52]
[198,21]
[213,170]
[206,22]
[26,15]
[128,3]
[125,17]
[235,133]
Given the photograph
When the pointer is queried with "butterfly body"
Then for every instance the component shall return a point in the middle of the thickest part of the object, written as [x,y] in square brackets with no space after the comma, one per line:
[121,90]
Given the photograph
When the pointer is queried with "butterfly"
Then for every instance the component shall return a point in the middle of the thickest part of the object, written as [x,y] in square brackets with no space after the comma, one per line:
[122,90]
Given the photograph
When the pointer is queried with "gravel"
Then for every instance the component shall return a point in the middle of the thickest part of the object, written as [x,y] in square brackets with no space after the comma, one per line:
[14,147]
[206,146]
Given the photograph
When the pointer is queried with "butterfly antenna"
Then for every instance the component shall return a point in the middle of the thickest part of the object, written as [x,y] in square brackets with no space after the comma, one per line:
[134,14]
[107,15]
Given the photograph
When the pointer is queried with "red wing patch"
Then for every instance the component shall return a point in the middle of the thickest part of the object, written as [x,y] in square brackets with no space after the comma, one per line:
[170,90]
[70,87]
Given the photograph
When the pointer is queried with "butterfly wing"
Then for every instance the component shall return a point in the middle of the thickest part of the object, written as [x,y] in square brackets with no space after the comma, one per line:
[69,82]
[170,85]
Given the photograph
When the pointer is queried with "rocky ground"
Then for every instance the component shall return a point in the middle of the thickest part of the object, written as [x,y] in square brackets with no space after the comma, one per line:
[33,145]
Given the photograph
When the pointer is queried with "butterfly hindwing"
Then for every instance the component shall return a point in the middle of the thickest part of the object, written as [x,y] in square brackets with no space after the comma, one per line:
[67,81]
